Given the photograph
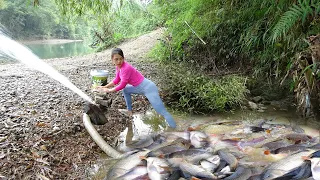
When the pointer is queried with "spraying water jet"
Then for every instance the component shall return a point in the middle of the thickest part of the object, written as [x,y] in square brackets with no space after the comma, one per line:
[11,49]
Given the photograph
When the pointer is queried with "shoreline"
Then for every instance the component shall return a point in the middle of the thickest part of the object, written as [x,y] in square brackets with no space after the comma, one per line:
[49,41]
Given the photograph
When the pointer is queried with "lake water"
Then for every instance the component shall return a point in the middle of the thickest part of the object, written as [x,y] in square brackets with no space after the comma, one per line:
[50,50]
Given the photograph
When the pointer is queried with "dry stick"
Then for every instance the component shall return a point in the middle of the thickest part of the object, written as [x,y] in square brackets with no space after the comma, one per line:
[195,33]
[87,66]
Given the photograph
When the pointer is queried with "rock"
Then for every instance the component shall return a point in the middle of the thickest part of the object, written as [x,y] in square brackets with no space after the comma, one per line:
[253,105]
[257,99]
[263,108]
[4,109]
[55,128]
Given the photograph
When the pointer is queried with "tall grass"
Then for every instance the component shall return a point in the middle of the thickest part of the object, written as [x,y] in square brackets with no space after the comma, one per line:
[258,37]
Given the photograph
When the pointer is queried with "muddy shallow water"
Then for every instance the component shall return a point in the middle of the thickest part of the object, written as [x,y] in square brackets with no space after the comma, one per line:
[149,123]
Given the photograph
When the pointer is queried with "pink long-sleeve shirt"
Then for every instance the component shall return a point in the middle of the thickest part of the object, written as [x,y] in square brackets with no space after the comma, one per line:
[127,74]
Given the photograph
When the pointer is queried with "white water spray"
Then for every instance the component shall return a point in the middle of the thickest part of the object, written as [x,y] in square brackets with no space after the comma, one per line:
[14,50]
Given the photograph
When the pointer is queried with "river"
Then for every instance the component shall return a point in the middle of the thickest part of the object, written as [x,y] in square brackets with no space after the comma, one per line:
[59,48]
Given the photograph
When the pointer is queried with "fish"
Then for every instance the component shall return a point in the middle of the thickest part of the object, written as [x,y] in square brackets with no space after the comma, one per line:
[254,129]
[229,158]
[137,173]
[241,173]
[298,137]
[191,155]
[289,149]
[315,168]
[252,143]
[285,165]
[275,145]
[301,172]
[224,172]
[208,166]
[187,154]
[141,143]
[198,139]
[304,171]
[157,168]
[196,171]
[172,136]
[175,174]
[163,151]
[125,164]
[315,146]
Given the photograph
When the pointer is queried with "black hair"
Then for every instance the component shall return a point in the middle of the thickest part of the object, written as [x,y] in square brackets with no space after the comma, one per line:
[117,51]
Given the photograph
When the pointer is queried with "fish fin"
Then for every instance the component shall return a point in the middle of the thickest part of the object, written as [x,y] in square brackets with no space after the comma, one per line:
[191,129]
[167,168]
[143,157]
[235,139]
[306,158]
[310,137]
[194,178]
[298,142]
[238,145]
[268,131]
[267,152]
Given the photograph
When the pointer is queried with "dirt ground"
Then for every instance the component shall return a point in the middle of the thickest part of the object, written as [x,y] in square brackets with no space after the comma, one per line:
[41,131]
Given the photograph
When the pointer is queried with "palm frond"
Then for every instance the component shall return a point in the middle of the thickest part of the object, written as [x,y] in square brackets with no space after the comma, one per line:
[296,13]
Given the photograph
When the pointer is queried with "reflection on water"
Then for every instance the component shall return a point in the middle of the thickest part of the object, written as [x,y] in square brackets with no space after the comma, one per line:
[47,51]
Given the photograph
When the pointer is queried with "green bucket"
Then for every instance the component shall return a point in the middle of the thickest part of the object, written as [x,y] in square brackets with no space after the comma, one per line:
[99,77]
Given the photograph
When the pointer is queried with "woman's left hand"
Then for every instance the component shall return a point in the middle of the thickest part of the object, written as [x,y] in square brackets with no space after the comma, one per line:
[102,89]
[107,90]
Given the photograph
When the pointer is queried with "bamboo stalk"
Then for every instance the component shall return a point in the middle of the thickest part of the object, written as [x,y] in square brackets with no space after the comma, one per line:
[195,33]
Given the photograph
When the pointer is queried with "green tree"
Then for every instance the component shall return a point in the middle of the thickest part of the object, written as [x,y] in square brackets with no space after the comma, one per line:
[26,21]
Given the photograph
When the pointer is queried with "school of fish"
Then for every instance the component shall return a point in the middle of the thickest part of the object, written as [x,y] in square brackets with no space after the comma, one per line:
[228,150]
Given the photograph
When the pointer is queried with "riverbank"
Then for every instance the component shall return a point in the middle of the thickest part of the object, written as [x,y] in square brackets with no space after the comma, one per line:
[49,41]
[41,130]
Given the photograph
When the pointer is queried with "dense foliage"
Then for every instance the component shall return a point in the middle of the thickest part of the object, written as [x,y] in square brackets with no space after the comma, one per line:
[130,20]
[25,21]
[191,91]
[255,37]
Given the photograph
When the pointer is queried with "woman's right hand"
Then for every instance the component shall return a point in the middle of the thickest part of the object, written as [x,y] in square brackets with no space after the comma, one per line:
[99,89]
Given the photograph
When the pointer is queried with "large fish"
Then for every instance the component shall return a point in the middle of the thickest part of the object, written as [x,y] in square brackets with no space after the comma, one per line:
[196,171]
[298,137]
[143,142]
[210,164]
[157,168]
[172,136]
[285,165]
[275,145]
[304,171]
[191,155]
[315,168]
[241,173]
[125,165]
[229,158]
[198,139]
[137,173]
[290,149]
[163,151]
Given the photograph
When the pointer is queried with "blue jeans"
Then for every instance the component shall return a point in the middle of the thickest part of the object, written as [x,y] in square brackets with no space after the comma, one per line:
[150,90]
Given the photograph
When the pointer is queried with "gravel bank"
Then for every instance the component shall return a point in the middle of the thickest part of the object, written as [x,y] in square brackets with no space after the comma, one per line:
[41,130]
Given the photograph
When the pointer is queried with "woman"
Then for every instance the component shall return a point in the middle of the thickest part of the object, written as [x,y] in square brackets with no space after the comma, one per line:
[131,81]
